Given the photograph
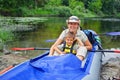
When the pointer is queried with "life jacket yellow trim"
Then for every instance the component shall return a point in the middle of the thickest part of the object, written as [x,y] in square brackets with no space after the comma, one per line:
[67,49]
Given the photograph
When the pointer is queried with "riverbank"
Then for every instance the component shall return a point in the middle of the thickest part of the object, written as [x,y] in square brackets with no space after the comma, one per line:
[11,59]
[11,28]
[110,67]
[20,24]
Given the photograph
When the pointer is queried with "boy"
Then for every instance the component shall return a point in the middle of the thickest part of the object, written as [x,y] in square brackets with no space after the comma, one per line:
[70,45]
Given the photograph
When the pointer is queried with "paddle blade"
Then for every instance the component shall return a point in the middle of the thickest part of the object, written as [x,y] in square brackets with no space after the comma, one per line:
[117,51]
[51,40]
[22,49]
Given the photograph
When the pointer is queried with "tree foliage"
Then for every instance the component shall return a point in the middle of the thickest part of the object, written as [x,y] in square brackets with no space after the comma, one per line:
[19,7]
[111,6]
[55,3]
[95,5]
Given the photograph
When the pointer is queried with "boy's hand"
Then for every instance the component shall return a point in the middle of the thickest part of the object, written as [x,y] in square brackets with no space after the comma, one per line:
[63,53]
[76,38]
[49,54]
[79,41]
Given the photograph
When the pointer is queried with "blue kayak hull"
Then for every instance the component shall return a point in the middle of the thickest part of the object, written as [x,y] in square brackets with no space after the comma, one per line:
[89,70]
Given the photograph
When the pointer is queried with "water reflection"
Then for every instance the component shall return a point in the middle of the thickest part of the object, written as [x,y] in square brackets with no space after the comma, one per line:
[51,29]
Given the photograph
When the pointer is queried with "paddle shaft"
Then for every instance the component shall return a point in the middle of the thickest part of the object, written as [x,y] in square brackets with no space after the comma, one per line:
[116,51]
[22,49]
[6,69]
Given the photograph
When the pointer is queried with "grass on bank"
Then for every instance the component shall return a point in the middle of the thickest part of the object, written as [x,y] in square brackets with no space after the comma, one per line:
[5,36]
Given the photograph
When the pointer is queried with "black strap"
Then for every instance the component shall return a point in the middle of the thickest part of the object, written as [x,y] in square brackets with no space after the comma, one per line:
[64,44]
[71,49]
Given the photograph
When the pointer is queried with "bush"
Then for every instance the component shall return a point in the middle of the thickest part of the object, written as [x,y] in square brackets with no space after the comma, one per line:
[78,10]
[82,12]
[5,36]
[61,11]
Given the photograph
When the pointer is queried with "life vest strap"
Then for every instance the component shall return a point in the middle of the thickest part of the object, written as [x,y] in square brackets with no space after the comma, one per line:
[71,49]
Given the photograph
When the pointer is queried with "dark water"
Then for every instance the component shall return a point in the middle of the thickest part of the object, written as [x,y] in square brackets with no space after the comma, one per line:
[51,29]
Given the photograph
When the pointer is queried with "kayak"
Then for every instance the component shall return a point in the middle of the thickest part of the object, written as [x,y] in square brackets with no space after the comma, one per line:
[113,34]
[63,67]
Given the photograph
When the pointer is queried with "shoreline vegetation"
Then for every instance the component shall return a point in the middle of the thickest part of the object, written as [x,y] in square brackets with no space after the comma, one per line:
[60,8]
[11,27]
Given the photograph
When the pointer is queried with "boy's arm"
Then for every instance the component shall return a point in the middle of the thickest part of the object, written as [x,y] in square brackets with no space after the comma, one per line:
[55,44]
[58,50]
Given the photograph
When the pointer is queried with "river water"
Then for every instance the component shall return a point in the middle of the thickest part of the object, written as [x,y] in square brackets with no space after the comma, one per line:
[47,31]
[50,29]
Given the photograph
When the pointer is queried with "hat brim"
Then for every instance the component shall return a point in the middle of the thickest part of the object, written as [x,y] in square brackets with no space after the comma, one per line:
[74,21]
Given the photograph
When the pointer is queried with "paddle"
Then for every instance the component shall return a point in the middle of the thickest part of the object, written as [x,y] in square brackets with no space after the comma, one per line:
[21,49]
[8,68]
[51,40]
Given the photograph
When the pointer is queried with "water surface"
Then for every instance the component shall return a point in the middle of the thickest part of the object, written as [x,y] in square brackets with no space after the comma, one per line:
[47,30]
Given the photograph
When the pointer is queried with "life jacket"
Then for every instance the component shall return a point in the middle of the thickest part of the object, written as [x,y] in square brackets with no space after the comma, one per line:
[69,49]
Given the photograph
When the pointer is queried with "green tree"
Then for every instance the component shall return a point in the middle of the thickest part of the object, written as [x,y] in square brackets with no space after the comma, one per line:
[54,3]
[95,6]
[86,3]
[74,3]
[108,6]
[65,2]
[40,3]
[117,5]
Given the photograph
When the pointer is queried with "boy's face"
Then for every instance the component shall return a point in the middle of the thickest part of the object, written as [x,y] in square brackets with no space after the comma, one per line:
[69,41]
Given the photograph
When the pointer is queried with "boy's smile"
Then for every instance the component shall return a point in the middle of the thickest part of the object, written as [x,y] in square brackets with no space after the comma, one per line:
[69,41]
